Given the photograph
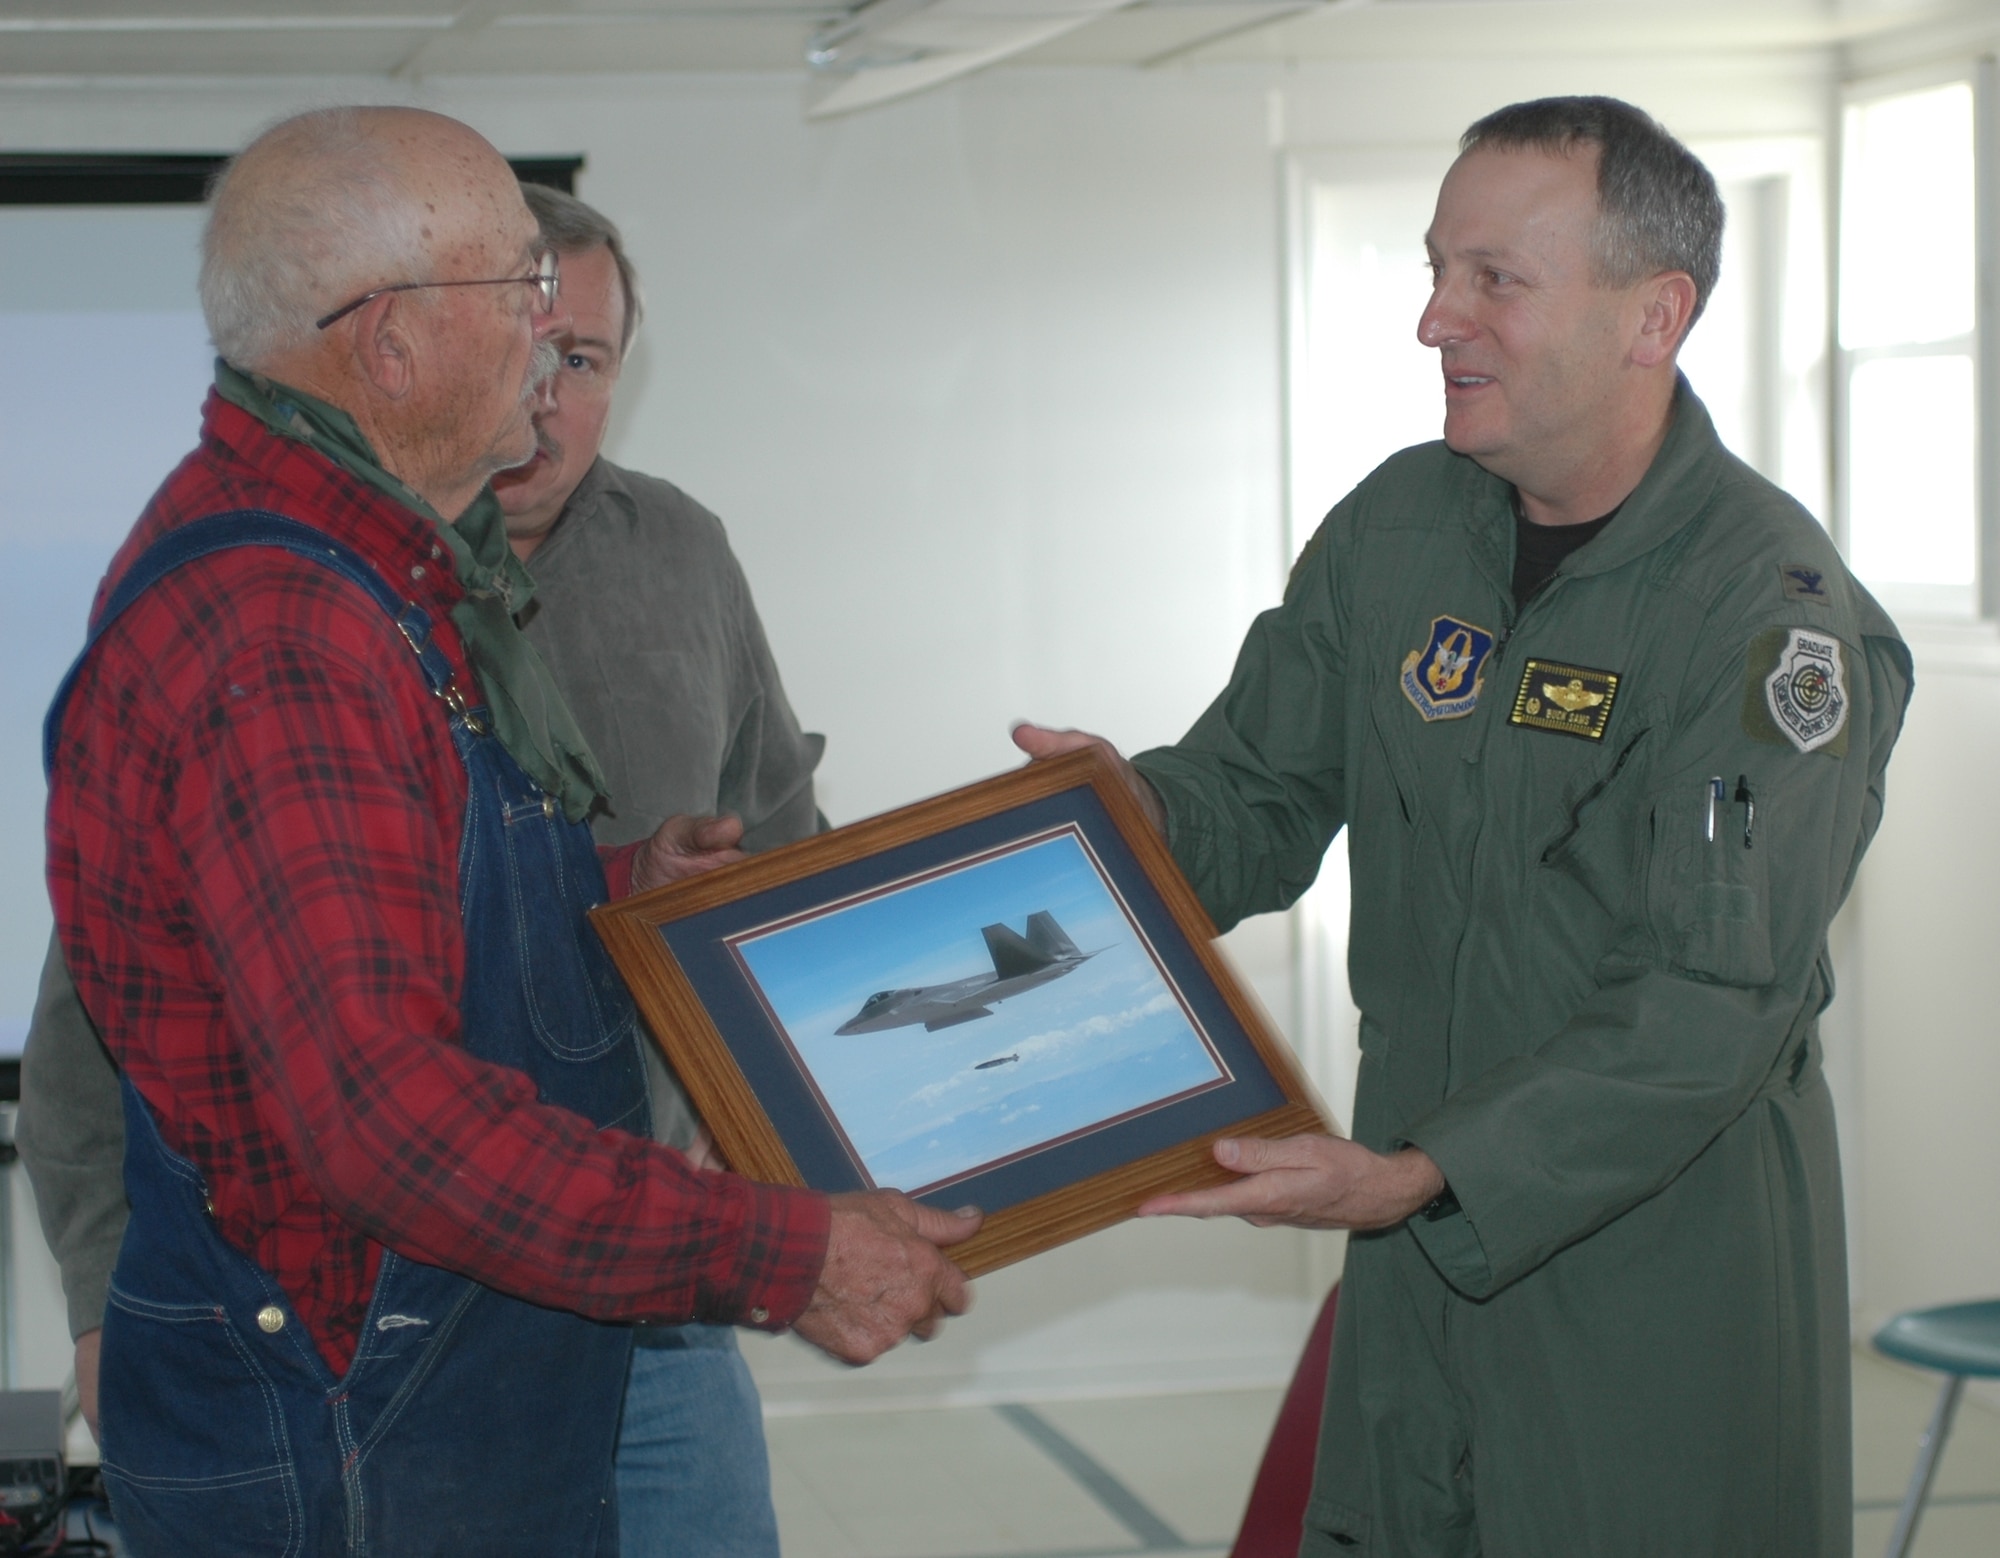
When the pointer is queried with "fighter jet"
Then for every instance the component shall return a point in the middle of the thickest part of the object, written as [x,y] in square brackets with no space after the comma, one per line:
[1019,964]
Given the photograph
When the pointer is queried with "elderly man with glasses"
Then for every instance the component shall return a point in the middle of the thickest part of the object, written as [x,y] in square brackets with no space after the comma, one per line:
[645,620]
[319,864]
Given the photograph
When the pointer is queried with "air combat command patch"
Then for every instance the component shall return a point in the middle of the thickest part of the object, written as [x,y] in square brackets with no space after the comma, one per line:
[1795,690]
[1571,699]
[1442,679]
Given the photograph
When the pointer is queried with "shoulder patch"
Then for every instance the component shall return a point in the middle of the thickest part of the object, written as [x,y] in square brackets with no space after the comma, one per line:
[1800,582]
[1795,690]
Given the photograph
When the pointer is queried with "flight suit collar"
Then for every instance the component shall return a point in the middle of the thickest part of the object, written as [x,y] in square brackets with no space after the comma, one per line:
[1674,489]
[1490,527]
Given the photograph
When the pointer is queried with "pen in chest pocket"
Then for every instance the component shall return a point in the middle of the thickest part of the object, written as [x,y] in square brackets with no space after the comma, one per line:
[1712,796]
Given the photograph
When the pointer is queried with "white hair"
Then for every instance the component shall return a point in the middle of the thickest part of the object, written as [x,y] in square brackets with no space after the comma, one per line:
[309,215]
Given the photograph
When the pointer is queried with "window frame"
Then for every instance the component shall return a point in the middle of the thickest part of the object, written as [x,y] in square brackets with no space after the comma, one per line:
[1981,344]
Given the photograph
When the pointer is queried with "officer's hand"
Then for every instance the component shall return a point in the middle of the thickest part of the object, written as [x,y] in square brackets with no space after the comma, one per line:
[1310,1182]
[1039,742]
[884,1278]
[686,846]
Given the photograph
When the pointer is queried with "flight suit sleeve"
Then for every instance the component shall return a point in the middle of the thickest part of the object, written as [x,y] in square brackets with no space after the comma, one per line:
[1708,995]
[71,1133]
[1254,792]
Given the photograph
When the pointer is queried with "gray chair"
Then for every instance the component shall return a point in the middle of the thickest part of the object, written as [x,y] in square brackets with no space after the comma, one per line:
[1960,1341]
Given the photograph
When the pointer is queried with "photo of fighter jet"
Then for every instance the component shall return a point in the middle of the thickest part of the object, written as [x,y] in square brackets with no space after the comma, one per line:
[1019,964]
[1065,1039]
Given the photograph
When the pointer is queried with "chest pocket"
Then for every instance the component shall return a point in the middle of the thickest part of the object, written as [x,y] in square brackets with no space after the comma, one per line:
[576,1004]
[1717,892]
[1601,832]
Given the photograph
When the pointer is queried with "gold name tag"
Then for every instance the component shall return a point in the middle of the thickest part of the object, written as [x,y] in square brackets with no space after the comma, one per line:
[1572,699]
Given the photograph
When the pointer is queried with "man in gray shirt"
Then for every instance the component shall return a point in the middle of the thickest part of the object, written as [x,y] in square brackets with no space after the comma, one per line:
[644,617]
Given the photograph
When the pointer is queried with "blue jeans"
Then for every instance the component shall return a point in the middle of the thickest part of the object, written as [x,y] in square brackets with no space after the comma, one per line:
[694,1479]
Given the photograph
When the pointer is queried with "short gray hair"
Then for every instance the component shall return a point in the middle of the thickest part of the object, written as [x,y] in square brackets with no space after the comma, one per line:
[309,213]
[571,227]
[1657,206]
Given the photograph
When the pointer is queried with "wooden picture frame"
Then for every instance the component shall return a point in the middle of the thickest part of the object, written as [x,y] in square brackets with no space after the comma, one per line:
[1139,1053]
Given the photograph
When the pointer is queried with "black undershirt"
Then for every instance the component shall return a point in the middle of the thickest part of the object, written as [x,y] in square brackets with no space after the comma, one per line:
[1539,550]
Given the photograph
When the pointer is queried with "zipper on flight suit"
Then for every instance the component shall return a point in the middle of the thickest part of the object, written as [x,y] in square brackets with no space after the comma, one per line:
[1510,625]
[1508,629]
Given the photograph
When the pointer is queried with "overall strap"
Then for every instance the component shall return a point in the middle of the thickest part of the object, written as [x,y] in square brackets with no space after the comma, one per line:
[251,527]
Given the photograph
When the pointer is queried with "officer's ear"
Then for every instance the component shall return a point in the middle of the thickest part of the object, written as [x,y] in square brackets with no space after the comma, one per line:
[1667,302]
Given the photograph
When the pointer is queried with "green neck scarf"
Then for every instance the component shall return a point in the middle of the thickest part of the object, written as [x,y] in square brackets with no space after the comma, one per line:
[528,712]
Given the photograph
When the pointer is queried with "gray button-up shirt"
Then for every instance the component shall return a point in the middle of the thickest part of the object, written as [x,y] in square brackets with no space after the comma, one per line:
[644,616]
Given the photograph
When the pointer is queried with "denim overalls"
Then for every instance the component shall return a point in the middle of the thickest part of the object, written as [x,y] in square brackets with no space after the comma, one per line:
[469,1424]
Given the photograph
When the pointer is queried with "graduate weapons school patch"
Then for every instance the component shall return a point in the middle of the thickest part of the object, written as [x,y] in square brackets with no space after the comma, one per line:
[1442,679]
[1807,693]
[1572,700]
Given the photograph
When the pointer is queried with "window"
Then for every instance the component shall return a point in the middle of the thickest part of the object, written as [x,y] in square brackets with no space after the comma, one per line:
[1910,347]
[1359,387]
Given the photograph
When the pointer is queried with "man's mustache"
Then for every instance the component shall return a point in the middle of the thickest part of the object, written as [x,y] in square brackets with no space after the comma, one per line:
[543,362]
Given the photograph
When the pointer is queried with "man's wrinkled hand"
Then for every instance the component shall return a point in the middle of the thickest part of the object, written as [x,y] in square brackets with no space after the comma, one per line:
[686,846]
[1310,1182]
[1040,742]
[884,1278]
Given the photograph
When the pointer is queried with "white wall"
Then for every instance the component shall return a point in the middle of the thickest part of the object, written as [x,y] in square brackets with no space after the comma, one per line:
[988,388]
[1919,1133]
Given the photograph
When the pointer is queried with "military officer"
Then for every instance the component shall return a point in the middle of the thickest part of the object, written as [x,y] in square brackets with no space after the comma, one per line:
[1606,718]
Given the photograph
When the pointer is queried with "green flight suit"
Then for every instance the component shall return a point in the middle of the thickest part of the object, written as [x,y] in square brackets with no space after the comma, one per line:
[1631,1336]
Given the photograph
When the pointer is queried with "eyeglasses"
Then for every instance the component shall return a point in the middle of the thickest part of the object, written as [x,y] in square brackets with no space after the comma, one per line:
[544,279]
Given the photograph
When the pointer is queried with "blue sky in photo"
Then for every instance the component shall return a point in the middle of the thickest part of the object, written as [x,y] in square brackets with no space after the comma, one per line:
[1095,1043]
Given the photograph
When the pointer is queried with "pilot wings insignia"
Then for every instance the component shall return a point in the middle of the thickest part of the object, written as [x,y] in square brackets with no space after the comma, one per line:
[1572,700]
[1571,695]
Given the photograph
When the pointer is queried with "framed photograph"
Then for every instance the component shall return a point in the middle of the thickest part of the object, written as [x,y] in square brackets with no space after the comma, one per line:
[1006,996]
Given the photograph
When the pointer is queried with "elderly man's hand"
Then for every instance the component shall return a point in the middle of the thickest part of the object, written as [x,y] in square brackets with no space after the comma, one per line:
[1310,1182]
[884,1278]
[1040,742]
[686,846]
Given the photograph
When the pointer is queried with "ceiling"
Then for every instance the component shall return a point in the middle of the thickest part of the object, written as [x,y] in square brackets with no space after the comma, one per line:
[414,38]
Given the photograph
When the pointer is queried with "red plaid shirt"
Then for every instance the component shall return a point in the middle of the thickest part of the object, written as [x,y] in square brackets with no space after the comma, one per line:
[254,826]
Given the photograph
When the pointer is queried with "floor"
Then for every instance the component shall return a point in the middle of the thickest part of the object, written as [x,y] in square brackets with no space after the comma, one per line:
[1169,1474]
[1892,1404]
